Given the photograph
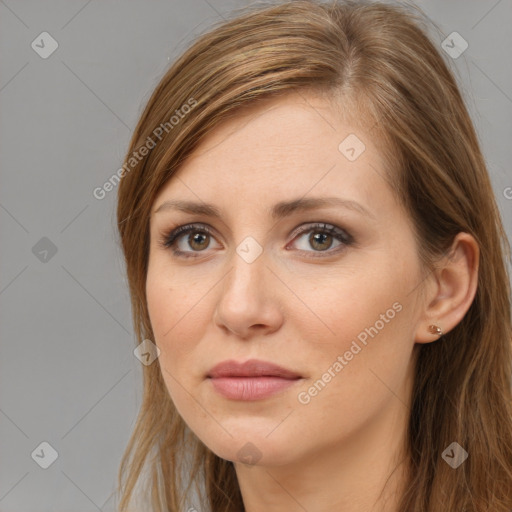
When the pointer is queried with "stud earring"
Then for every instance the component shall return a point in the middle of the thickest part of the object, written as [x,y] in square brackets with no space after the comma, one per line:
[434,329]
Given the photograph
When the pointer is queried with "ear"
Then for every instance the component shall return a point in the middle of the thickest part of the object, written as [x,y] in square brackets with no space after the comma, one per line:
[450,289]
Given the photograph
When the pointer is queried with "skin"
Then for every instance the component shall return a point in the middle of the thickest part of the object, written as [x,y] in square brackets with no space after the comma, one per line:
[300,307]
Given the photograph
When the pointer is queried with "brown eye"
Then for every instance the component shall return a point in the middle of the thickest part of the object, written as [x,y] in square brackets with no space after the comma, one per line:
[320,241]
[321,238]
[198,241]
[199,238]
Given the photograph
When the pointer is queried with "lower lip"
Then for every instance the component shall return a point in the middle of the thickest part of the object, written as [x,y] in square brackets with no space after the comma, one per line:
[250,388]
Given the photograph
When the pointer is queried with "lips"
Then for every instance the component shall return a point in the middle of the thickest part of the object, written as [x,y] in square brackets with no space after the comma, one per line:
[251,368]
[251,380]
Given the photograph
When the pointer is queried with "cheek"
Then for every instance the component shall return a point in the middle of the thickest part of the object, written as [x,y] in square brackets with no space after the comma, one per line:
[342,303]
[175,302]
[354,381]
[173,329]
[179,314]
[365,344]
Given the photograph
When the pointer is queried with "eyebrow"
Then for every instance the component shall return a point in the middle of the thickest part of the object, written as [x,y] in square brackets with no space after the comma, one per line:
[279,210]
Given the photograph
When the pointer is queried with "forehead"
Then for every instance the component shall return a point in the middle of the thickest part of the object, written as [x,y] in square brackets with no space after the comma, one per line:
[281,148]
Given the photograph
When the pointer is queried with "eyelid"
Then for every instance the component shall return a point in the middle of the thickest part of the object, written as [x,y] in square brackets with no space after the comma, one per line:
[322,226]
[170,237]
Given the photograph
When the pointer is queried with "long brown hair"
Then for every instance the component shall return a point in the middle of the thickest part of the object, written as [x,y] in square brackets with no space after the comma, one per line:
[366,57]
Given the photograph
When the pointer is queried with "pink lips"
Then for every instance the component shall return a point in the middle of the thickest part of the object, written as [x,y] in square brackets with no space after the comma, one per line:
[251,380]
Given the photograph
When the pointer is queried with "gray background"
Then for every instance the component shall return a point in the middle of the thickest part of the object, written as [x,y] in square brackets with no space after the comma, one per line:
[68,375]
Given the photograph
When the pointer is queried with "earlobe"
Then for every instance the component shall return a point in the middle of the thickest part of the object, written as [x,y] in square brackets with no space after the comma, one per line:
[455,282]
[427,335]
[435,329]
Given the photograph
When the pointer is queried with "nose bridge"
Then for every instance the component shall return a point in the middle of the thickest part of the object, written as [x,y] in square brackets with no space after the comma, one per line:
[244,301]
[248,268]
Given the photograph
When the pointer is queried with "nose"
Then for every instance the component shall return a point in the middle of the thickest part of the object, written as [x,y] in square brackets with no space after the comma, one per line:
[248,303]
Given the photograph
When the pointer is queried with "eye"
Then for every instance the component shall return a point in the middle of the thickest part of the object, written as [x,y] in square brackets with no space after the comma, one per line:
[321,237]
[199,237]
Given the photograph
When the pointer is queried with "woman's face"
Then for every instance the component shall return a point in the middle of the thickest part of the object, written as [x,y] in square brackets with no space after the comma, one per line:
[327,292]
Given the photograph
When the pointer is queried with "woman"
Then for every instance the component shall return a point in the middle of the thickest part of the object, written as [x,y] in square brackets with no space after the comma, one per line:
[313,246]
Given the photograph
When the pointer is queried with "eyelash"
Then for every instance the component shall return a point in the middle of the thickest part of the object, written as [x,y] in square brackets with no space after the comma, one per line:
[169,239]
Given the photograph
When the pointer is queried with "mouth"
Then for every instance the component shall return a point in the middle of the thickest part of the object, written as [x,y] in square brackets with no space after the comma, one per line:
[251,368]
[251,380]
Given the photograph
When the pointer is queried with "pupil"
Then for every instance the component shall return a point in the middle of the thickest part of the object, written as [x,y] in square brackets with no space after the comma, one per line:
[320,238]
[197,239]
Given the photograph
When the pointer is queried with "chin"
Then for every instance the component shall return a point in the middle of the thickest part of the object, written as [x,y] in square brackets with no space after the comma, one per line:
[252,450]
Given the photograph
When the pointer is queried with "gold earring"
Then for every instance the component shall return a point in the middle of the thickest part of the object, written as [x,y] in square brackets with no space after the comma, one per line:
[434,329]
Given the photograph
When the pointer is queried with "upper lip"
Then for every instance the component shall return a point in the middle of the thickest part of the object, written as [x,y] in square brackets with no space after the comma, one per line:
[251,368]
